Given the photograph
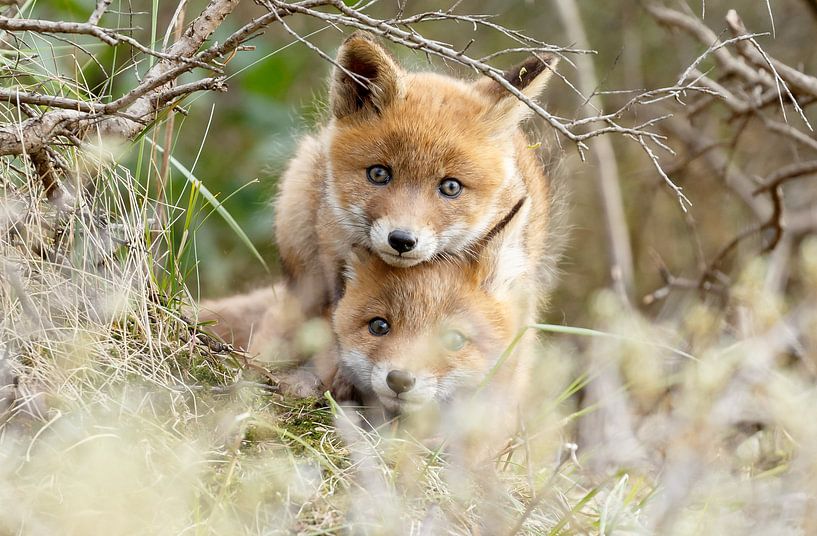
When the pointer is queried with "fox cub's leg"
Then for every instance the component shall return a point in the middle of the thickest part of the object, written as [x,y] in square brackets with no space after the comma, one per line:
[296,213]
[237,318]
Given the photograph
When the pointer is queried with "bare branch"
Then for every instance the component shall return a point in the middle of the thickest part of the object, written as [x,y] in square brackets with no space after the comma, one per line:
[797,80]
[101,7]
[619,250]
[45,170]
[698,30]
[413,40]
[47,26]
[138,102]
[31,135]
[206,84]
[128,114]
[791,132]
[719,163]
[792,171]
[15,96]
[775,222]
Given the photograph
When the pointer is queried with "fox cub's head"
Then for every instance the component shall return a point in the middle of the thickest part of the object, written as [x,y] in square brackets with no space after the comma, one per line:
[422,164]
[419,336]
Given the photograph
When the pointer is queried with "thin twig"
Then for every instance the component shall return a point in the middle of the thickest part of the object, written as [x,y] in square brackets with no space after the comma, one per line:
[792,171]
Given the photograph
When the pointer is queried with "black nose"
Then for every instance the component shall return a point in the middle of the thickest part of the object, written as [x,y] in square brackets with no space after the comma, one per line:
[400,381]
[402,241]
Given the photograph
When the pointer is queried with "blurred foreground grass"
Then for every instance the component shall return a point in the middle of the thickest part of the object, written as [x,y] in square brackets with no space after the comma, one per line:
[117,430]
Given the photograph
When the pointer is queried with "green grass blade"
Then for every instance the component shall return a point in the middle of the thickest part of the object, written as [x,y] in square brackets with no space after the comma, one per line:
[557,530]
[215,203]
[587,332]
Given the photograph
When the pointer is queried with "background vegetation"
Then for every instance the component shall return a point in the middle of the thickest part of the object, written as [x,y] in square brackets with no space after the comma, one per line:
[687,412]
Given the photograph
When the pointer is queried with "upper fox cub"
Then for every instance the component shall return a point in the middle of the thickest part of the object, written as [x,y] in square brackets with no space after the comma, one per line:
[412,166]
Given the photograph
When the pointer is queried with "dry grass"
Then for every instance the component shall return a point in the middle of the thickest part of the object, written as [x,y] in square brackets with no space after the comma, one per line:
[123,425]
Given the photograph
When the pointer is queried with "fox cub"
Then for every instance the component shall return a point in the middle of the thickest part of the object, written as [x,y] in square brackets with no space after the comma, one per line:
[407,339]
[420,220]
[415,167]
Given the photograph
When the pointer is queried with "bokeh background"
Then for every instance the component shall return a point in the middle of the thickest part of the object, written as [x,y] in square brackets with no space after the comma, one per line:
[240,141]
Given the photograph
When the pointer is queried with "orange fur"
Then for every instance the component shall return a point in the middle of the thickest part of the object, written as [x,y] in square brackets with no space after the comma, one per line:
[425,127]
[423,305]
[236,319]
[478,270]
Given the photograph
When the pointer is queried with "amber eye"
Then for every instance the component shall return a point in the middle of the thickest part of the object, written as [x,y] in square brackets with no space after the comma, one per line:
[379,326]
[378,174]
[450,188]
[453,340]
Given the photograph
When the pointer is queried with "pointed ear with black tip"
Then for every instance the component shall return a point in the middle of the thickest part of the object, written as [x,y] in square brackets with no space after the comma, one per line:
[501,260]
[366,78]
[530,77]
[497,271]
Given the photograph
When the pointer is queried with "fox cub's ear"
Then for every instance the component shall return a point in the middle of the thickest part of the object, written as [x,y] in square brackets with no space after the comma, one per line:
[366,77]
[530,77]
[501,261]
[501,267]
[357,259]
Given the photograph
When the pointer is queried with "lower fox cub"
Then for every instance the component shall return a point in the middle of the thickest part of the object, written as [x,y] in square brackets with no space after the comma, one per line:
[412,166]
[406,338]
[410,338]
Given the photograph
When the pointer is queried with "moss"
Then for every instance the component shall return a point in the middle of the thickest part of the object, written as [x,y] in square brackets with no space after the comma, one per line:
[207,371]
[301,424]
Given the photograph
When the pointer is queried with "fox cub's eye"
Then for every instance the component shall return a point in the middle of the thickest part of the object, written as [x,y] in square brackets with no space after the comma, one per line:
[453,340]
[378,174]
[379,326]
[450,188]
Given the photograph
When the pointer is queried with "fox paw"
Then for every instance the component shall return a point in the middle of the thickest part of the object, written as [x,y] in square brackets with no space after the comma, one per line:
[300,383]
[343,388]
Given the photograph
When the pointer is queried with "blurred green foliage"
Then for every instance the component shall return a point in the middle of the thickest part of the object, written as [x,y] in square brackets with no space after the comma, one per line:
[239,141]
